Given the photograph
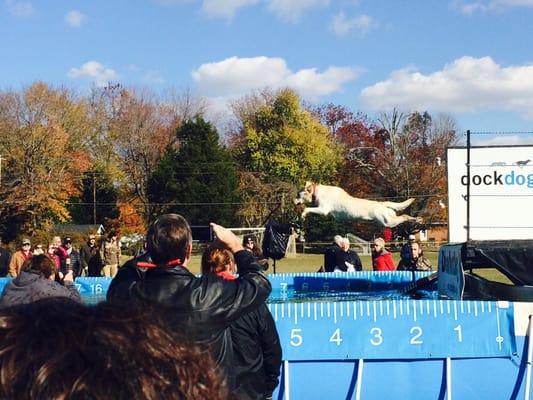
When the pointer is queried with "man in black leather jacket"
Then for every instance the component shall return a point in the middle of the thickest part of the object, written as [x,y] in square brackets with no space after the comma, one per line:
[200,307]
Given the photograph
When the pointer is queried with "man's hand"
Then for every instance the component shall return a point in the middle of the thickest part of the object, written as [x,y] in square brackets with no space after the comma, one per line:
[227,238]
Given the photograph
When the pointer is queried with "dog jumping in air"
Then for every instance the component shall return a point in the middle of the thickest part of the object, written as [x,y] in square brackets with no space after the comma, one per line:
[335,201]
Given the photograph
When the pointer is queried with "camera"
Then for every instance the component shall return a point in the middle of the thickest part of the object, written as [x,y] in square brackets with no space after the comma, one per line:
[202,233]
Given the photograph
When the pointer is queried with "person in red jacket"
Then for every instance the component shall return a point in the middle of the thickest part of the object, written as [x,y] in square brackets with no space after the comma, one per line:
[381,258]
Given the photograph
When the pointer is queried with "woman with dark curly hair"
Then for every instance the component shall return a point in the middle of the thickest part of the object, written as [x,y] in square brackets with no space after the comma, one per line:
[60,349]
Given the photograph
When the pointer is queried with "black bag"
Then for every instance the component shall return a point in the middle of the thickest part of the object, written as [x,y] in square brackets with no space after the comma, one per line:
[275,239]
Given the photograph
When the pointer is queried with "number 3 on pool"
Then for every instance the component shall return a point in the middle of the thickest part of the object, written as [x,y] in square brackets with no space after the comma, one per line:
[377,338]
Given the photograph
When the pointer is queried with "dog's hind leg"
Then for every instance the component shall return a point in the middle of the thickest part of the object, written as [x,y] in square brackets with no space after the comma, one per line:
[398,206]
[395,220]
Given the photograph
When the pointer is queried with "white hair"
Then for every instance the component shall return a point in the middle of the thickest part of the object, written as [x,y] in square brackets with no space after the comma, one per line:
[338,239]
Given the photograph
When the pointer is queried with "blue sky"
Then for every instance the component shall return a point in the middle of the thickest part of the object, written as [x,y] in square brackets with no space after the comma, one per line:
[472,59]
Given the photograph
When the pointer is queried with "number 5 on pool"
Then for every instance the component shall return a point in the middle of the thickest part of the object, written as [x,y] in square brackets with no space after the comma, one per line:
[296,337]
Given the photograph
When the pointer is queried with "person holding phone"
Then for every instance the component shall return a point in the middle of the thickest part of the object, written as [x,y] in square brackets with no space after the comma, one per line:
[201,307]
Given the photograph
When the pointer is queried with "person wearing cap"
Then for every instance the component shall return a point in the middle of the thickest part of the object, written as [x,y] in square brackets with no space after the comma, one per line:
[19,257]
[91,263]
[72,262]
[405,252]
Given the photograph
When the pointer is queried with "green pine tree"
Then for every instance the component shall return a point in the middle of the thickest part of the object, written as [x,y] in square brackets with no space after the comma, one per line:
[196,178]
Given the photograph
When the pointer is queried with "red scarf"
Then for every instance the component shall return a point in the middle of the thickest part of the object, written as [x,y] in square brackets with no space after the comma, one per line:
[226,275]
[171,263]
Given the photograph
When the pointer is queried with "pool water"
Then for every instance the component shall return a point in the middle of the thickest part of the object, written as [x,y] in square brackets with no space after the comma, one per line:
[303,287]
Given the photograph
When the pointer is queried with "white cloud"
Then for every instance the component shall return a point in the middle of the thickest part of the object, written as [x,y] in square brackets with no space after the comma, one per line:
[225,8]
[154,78]
[237,76]
[313,84]
[465,85]
[21,9]
[75,18]
[287,10]
[471,7]
[361,24]
[292,10]
[95,72]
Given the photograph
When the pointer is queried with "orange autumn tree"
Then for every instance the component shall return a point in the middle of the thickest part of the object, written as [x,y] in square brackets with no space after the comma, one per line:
[131,217]
[41,130]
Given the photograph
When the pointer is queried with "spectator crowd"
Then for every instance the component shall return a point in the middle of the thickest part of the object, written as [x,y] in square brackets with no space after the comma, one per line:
[340,258]
[163,333]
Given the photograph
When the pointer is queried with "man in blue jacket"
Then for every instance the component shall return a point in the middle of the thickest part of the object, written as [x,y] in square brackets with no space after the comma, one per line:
[202,308]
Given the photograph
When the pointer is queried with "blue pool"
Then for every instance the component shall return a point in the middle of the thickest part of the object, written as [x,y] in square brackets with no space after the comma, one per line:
[300,287]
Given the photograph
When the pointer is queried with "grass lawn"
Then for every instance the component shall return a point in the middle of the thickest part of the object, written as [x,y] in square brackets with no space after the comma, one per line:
[312,262]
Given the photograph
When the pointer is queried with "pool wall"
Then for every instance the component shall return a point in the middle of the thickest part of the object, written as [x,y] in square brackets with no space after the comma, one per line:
[390,349]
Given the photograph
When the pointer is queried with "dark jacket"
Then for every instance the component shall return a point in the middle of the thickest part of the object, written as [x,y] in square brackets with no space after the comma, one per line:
[28,287]
[75,263]
[342,257]
[330,257]
[405,252]
[257,354]
[200,307]
[5,257]
[419,264]
[90,259]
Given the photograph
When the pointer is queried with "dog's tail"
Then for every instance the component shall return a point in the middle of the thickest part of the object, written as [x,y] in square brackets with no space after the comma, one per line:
[398,206]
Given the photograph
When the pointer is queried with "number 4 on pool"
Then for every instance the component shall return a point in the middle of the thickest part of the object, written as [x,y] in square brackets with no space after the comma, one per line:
[336,337]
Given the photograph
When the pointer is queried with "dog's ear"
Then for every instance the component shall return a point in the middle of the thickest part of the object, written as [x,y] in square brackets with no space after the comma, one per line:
[308,184]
